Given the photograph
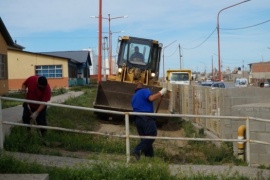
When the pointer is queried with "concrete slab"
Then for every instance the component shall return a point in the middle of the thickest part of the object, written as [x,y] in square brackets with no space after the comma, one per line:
[24,176]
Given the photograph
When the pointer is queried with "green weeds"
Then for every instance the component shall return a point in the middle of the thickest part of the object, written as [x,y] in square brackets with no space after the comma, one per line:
[147,169]
[194,152]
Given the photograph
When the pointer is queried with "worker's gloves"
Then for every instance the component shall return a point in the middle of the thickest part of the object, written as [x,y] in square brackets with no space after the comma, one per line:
[23,91]
[163,91]
[34,115]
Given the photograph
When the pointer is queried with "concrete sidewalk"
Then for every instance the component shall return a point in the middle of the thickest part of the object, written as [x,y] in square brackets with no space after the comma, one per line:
[14,114]
[175,169]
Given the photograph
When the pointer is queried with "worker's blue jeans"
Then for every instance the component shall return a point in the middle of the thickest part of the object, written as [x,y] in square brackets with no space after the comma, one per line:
[146,126]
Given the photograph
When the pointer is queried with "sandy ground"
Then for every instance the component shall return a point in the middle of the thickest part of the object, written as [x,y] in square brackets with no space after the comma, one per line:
[171,129]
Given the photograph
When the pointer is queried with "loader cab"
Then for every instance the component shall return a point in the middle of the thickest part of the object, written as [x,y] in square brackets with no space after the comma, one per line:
[139,53]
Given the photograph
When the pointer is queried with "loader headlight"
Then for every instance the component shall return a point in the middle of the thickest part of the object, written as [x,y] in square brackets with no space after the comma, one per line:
[120,70]
[153,74]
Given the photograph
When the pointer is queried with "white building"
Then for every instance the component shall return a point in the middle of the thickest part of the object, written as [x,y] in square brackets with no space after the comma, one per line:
[105,64]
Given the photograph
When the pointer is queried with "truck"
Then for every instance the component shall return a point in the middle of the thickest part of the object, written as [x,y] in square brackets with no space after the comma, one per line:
[116,92]
[180,76]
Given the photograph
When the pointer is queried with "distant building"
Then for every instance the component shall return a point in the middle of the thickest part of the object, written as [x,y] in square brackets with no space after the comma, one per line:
[79,63]
[259,72]
[22,64]
[63,69]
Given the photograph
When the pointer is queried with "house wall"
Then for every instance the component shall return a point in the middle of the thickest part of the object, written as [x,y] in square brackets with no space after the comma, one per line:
[22,64]
[3,50]
[261,67]
[260,72]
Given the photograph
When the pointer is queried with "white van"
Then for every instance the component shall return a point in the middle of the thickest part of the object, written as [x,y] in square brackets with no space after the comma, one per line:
[241,82]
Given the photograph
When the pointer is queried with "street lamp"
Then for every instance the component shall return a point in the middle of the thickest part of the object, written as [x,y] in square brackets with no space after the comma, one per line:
[109,18]
[163,59]
[110,54]
[219,64]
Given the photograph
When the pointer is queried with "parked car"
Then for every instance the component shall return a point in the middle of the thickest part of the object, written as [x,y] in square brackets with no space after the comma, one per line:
[207,83]
[266,84]
[214,84]
[218,85]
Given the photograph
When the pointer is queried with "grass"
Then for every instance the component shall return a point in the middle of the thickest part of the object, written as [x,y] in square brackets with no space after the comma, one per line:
[104,170]
[155,169]
[62,142]
[194,152]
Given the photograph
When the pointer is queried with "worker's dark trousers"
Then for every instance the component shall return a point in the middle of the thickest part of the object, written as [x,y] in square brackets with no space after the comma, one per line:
[146,126]
[41,118]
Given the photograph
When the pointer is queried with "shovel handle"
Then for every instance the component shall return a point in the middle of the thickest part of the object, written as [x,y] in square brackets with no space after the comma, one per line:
[159,104]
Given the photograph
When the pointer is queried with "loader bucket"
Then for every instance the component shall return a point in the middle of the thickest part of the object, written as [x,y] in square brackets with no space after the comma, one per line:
[114,95]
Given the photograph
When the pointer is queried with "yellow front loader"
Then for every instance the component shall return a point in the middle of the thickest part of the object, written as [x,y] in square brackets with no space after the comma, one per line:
[116,92]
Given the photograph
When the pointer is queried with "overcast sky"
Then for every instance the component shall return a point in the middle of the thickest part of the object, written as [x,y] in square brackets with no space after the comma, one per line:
[62,25]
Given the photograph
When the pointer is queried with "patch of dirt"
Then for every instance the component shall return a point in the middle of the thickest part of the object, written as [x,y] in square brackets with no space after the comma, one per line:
[111,128]
[171,129]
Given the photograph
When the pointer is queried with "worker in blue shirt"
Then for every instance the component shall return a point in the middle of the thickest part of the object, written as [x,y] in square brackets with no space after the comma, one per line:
[142,101]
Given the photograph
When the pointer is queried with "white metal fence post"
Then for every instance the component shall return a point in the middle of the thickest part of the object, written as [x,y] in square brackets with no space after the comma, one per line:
[248,141]
[1,127]
[127,137]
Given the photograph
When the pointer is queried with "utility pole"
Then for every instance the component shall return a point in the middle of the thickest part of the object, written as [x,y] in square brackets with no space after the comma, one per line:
[163,59]
[110,40]
[99,40]
[180,56]
[219,63]
[243,69]
[212,70]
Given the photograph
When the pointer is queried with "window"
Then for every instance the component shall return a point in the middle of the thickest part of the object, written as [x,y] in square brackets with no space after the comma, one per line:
[139,53]
[50,71]
[3,66]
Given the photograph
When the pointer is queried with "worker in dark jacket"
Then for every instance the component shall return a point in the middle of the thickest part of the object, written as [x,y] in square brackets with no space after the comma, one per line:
[142,101]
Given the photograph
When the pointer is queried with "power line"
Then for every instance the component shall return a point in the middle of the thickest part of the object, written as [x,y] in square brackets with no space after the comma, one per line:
[203,41]
[173,52]
[246,26]
[225,29]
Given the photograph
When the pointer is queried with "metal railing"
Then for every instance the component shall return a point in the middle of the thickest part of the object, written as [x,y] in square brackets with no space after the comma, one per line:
[127,135]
